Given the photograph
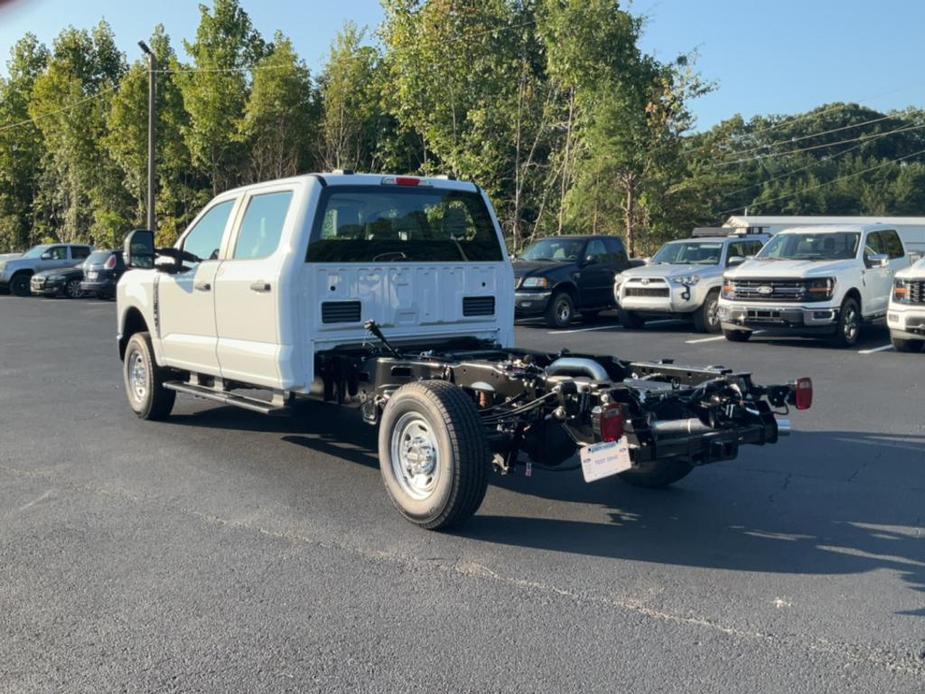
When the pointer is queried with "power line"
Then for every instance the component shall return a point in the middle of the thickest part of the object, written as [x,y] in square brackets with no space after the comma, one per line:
[70,107]
[828,183]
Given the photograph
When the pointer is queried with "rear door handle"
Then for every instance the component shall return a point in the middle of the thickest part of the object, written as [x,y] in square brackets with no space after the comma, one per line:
[202,287]
[260,286]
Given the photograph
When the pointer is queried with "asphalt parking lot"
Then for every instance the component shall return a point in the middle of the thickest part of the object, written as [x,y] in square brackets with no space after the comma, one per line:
[226,551]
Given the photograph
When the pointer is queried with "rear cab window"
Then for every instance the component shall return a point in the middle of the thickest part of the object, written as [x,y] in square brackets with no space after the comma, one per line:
[386,224]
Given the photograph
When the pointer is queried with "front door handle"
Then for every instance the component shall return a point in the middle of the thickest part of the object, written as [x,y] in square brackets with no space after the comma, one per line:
[202,287]
[260,286]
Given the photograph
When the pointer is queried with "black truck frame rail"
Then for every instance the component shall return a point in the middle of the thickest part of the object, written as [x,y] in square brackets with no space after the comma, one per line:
[547,405]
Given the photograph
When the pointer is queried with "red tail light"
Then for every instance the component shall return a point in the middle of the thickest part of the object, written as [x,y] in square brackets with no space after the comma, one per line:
[612,421]
[407,181]
[110,263]
[803,393]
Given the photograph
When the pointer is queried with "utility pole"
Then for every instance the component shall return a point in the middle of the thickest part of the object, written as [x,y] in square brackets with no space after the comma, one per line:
[152,121]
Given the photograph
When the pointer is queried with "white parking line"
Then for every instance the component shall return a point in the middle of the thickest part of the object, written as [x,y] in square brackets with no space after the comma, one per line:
[713,339]
[585,330]
[884,348]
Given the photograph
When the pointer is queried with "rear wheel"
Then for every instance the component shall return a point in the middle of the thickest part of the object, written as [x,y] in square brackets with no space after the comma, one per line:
[657,473]
[848,330]
[706,318]
[19,284]
[737,335]
[630,320]
[560,310]
[901,344]
[433,454]
[144,380]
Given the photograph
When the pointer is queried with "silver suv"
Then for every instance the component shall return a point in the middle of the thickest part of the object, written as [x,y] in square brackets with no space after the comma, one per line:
[16,271]
[683,279]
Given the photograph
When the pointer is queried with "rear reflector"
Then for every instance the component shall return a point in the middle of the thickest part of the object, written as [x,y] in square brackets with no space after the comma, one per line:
[612,420]
[803,393]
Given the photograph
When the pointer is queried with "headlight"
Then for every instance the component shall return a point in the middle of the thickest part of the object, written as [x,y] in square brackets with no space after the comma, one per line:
[729,289]
[820,289]
[534,283]
[900,291]
[686,280]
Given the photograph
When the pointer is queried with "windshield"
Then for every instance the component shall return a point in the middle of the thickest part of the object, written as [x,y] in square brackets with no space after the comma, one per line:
[388,224]
[690,253]
[564,250]
[98,257]
[35,252]
[839,245]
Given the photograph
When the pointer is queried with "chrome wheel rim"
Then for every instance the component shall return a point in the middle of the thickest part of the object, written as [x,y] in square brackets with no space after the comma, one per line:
[73,289]
[713,313]
[138,376]
[851,324]
[563,312]
[415,456]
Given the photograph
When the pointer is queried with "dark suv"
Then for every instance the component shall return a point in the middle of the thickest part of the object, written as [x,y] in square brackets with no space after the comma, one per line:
[102,271]
[560,276]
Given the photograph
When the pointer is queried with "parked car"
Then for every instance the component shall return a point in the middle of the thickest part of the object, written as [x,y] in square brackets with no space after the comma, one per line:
[15,273]
[683,279]
[102,271]
[61,282]
[818,280]
[906,314]
[561,276]
[359,285]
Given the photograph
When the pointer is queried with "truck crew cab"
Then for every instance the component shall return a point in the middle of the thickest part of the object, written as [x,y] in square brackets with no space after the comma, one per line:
[393,295]
[906,313]
[821,280]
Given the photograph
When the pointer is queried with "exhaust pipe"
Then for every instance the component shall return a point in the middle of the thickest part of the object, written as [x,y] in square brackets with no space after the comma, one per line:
[575,366]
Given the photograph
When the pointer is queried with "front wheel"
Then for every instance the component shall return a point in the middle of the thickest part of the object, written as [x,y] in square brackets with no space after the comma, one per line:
[901,344]
[433,454]
[737,335]
[706,318]
[657,473]
[848,330]
[630,320]
[19,285]
[72,289]
[144,380]
[560,310]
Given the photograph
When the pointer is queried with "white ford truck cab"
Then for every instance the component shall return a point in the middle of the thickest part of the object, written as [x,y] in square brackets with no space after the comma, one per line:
[683,279]
[906,314]
[821,280]
[393,296]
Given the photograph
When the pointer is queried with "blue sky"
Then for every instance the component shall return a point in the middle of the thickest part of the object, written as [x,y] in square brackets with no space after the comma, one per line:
[783,56]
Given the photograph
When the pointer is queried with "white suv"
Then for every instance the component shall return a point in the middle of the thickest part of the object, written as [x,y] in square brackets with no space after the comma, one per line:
[683,279]
[906,316]
[821,280]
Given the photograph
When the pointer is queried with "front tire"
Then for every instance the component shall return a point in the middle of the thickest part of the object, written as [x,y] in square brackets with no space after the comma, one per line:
[560,311]
[737,335]
[706,318]
[657,474]
[848,330]
[19,284]
[901,344]
[144,380]
[72,290]
[630,320]
[433,454]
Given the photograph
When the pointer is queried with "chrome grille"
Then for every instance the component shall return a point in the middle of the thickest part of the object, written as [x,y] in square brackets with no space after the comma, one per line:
[916,291]
[770,290]
[646,291]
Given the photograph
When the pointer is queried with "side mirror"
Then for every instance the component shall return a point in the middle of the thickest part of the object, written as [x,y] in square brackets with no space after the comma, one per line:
[877,260]
[46,255]
[138,251]
[735,260]
[590,260]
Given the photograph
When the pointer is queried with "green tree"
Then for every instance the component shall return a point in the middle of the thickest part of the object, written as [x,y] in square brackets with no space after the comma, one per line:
[21,144]
[282,115]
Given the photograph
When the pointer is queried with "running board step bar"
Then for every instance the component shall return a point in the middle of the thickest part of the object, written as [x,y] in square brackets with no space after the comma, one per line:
[274,406]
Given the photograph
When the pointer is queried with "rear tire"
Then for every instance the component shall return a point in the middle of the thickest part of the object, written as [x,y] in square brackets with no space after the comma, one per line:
[433,454]
[560,310]
[657,474]
[706,318]
[144,380]
[630,320]
[901,344]
[737,335]
[19,284]
[848,330]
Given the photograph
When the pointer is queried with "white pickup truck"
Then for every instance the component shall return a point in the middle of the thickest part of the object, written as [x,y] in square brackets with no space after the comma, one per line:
[906,314]
[820,280]
[394,295]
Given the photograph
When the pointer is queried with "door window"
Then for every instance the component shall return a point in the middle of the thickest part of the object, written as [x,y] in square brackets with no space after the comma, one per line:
[596,250]
[205,238]
[875,245]
[57,253]
[892,245]
[615,250]
[262,225]
[80,252]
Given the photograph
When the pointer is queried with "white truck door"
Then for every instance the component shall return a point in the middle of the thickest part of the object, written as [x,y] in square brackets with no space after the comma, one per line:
[248,300]
[186,299]
[878,281]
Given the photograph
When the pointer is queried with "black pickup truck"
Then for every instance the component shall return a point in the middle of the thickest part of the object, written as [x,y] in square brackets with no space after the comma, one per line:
[560,276]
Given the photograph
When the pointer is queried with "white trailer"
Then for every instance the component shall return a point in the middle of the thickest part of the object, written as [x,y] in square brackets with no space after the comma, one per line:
[910,229]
